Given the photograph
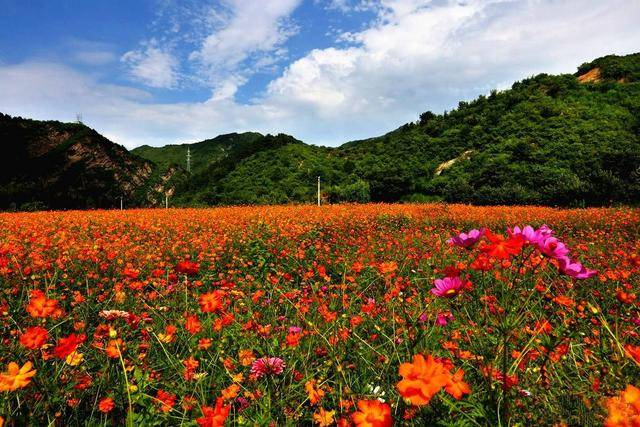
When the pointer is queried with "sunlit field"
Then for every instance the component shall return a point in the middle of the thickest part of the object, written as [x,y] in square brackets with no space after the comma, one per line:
[361,315]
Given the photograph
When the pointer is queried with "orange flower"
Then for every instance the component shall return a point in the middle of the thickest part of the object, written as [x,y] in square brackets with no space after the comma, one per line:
[204,343]
[422,379]
[34,337]
[315,393]
[190,366]
[16,377]
[211,302]
[192,324]
[564,300]
[40,306]
[386,268]
[501,247]
[324,418]
[106,405]
[114,348]
[633,351]
[246,357]
[214,417]
[624,410]
[230,392]
[166,400]
[372,413]
[456,387]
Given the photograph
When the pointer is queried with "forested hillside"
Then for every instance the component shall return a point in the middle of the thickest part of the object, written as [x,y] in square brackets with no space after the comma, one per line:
[560,140]
[570,140]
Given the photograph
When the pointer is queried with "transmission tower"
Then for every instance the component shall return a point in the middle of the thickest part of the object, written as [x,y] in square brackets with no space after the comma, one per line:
[79,118]
[188,160]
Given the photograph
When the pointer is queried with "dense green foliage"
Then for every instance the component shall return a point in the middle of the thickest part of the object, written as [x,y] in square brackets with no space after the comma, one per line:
[548,140]
[202,153]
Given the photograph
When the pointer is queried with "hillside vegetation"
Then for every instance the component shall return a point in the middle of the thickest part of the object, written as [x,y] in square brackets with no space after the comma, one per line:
[569,140]
[551,139]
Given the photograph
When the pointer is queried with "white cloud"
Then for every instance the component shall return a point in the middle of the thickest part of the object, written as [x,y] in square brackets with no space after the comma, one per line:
[152,66]
[245,31]
[416,55]
[94,57]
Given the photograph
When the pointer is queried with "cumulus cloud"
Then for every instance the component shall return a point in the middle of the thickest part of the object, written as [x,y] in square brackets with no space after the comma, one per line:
[248,36]
[152,66]
[414,56]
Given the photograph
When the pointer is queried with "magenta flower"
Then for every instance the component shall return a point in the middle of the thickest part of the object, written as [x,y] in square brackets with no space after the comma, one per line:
[448,287]
[443,318]
[529,234]
[575,269]
[267,366]
[466,240]
[553,248]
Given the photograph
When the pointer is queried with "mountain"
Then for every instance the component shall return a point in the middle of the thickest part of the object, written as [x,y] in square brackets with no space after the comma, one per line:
[48,164]
[570,139]
[202,153]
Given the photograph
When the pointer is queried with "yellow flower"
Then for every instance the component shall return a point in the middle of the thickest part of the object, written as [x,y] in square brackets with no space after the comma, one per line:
[16,377]
[165,338]
[74,359]
[323,418]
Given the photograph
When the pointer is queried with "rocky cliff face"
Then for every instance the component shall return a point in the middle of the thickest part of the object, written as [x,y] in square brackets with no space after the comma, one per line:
[67,165]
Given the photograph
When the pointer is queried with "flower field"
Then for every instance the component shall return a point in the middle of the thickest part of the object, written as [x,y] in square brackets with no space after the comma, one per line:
[367,315]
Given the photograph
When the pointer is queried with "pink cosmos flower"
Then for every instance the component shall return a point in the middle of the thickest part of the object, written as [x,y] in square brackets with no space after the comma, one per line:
[575,269]
[466,240]
[267,366]
[448,287]
[553,248]
[529,234]
[443,318]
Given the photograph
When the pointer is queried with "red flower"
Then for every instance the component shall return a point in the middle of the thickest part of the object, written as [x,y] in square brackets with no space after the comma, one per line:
[189,268]
[106,405]
[68,345]
[502,247]
[166,400]
[214,417]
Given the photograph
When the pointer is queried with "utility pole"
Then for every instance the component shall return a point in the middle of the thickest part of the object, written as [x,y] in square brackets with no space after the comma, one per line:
[318,191]
[121,197]
[188,159]
[166,201]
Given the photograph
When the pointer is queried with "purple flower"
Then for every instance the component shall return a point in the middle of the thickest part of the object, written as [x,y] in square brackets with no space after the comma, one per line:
[448,287]
[553,248]
[466,240]
[575,269]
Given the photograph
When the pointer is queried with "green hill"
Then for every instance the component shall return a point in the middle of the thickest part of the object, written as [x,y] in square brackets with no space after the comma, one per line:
[570,140]
[547,140]
[202,153]
[559,140]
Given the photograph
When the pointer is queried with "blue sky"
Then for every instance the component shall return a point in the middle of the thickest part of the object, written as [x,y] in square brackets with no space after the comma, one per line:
[326,71]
